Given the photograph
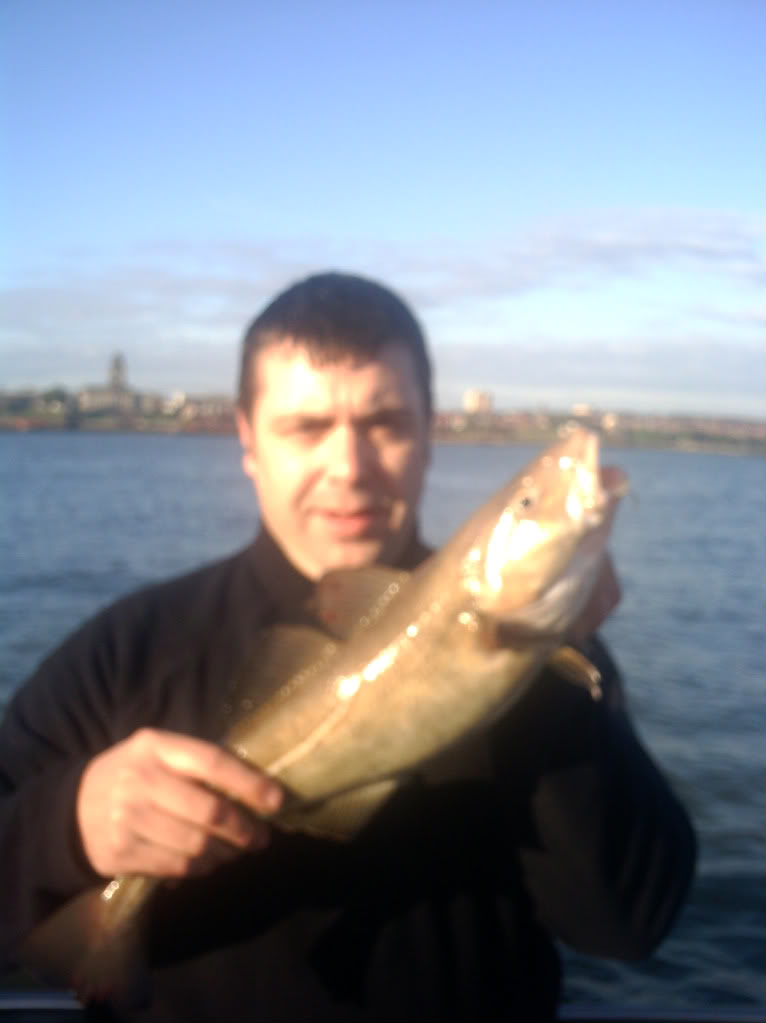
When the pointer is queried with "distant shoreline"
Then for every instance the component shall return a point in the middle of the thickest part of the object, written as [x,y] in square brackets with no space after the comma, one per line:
[657,444]
[642,440]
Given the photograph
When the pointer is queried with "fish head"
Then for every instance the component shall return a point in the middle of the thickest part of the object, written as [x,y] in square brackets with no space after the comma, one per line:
[542,539]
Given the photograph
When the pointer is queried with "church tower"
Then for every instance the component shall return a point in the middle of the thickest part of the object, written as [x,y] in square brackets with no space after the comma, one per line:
[118,373]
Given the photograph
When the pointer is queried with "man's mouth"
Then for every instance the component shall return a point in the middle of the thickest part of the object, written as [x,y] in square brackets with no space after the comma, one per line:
[352,522]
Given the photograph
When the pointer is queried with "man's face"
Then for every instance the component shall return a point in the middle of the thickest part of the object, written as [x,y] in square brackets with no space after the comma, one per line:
[337,454]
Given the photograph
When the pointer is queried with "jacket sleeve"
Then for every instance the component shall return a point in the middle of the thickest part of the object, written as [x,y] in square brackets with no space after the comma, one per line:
[606,849]
[155,657]
[54,724]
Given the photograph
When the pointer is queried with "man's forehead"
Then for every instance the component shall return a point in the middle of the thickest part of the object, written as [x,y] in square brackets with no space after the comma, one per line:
[300,376]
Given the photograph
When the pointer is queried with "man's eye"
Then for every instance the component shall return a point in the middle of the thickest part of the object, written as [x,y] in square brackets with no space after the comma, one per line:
[392,426]
[308,429]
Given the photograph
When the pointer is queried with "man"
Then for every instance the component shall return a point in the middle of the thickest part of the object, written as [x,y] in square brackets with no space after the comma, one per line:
[443,905]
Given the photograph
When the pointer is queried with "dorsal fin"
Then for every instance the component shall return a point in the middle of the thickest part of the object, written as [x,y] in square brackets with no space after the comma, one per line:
[282,658]
[347,599]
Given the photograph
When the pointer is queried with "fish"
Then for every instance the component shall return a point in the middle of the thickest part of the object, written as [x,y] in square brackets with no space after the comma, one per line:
[407,671]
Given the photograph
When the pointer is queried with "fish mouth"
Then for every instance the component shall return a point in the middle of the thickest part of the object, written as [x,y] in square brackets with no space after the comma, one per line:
[599,485]
[549,613]
[594,504]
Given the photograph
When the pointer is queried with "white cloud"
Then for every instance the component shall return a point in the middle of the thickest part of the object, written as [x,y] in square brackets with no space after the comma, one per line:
[685,374]
[178,311]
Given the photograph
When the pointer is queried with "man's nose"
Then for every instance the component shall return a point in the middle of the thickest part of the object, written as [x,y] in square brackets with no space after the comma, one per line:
[348,454]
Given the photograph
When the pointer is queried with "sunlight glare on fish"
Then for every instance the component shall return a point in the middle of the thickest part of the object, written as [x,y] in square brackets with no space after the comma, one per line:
[511,540]
[110,889]
[348,686]
[379,664]
[574,506]
[496,550]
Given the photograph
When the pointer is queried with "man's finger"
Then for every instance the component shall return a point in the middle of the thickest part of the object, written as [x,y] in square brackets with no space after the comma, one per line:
[202,808]
[153,860]
[180,834]
[216,767]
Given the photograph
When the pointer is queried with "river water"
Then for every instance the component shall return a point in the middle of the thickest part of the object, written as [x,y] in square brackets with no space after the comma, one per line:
[87,517]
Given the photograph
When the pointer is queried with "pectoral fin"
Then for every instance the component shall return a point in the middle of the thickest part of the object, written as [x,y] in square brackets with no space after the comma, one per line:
[577,669]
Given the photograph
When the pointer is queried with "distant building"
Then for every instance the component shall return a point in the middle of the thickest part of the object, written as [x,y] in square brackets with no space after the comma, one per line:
[207,406]
[115,397]
[150,404]
[581,410]
[118,373]
[174,403]
[477,401]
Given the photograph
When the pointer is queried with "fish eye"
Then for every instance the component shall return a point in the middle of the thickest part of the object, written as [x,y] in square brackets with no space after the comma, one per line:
[527,501]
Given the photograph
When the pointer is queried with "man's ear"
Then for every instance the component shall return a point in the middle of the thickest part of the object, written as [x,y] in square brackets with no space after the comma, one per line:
[246,438]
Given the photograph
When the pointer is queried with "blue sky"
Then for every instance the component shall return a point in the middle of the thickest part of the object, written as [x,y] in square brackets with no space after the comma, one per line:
[570,194]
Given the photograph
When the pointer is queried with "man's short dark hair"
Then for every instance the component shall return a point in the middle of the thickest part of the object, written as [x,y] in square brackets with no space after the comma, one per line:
[335,315]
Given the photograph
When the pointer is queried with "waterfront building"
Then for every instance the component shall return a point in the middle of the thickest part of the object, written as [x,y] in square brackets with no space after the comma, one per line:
[475,400]
[115,397]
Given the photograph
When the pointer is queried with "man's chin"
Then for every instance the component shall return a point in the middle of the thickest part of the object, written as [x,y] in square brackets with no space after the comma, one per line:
[327,553]
[353,554]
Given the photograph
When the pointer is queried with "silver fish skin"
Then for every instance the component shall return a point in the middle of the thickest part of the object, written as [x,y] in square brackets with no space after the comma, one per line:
[427,661]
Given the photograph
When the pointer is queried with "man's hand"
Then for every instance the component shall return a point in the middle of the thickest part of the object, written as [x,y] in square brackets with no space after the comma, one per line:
[147,806]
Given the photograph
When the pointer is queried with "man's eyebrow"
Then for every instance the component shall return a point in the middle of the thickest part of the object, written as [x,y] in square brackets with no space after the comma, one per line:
[289,420]
[386,413]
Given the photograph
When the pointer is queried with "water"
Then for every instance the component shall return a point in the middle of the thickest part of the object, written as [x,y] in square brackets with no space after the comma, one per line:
[86,517]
